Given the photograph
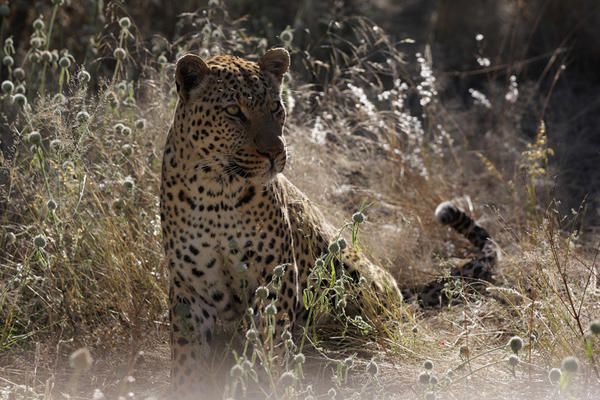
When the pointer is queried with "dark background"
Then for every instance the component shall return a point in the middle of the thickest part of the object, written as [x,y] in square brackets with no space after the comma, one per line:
[531,39]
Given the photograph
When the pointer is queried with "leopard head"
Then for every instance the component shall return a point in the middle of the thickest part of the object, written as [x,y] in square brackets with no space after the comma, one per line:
[230,113]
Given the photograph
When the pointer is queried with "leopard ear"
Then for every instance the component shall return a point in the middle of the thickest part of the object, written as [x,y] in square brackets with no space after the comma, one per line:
[275,61]
[190,73]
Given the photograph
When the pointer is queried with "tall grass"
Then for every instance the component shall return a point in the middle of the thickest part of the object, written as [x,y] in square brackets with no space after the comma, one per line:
[80,246]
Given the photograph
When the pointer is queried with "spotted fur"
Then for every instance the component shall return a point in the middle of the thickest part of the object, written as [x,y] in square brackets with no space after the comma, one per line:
[229,216]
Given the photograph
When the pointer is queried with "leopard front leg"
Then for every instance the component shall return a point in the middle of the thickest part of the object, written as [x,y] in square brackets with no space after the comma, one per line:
[196,295]
[192,322]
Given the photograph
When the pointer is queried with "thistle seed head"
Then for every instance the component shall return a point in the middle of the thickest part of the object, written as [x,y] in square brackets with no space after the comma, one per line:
[19,74]
[570,365]
[38,24]
[125,23]
[554,376]
[358,217]
[34,138]
[8,61]
[120,53]
[81,359]
[7,87]
[262,292]
[516,344]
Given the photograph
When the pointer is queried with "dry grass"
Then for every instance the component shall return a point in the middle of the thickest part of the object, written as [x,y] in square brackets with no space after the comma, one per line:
[80,246]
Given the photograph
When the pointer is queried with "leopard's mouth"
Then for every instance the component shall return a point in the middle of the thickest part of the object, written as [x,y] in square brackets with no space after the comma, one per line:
[264,166]
[277,163]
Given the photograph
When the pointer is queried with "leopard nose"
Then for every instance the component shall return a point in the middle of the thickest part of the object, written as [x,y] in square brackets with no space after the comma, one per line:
[272,149]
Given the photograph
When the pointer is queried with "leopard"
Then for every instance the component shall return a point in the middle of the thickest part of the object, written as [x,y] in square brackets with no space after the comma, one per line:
[230,218]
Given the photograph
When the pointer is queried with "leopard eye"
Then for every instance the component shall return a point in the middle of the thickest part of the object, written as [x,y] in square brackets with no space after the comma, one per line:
[276,106]
[236,111]
[232,110]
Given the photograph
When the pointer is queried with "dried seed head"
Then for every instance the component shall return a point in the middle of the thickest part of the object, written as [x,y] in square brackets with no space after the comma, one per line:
[348,362]
[262,292]
[46,56]
[38,24]
[299,358]
[68,166]
[84,76]
[334,247]
[595,327]
[236,371]
[8,61]
[127,149]
[271,309]
[287,36]
[140,124]
[247,365]
[286,335]
[251,335]
[372,368]
[120,53]
[51,205]
[64,62]
[83,117]
[118,128]
[19,99]
[128,183]
[513,360]
[7,87]
[20,89]
[358,217]
[516,344]
[34,138]
[423,378]
[37,42]
[278,271]
[125,23]
[55,144]
[11,238]
[554,376]
[118,204]
[35,57]
[570,365]
[287,379]
[19,74]
[81,359]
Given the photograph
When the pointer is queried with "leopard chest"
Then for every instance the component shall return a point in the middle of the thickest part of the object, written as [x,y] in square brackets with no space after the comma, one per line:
[238,240]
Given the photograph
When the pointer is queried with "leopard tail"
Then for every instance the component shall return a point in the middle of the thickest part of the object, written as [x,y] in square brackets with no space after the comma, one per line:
[475,274]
